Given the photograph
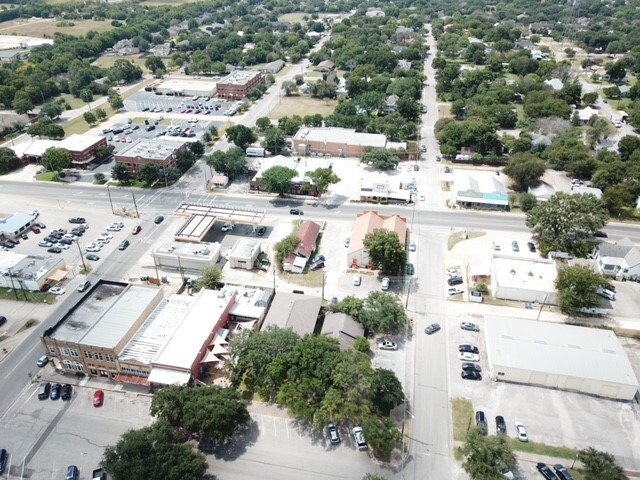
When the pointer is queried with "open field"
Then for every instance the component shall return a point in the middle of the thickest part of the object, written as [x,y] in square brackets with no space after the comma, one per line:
[302,105]
[106,61]
[45,28]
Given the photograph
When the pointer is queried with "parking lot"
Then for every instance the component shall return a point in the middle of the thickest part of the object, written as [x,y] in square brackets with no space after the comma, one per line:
[150,102]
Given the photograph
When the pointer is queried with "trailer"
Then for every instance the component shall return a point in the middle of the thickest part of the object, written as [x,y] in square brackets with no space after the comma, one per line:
[254,152]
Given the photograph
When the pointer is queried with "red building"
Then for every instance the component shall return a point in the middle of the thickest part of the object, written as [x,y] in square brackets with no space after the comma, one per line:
[163,153]
[238,84]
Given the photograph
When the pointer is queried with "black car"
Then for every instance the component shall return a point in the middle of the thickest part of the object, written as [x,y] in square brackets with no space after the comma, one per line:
[54,250]
[92,257]
[123,245]
[55,391]
[158,220]
[501,426]
[532,246]
[471,367]
[481,421]
[77,220]
[600,234]
[546,471]
[40,225]
[468,348]
[470,375]
[66,392]
[296,211]
[3,460]
[562,472]
[65,241]
[410,269]
[260,231]
[3,320]
[454,281]
[8,245]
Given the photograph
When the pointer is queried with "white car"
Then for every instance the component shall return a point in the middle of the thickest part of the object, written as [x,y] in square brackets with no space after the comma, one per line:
[63,246]
[454,291]
[422,198]
[70,236]
[92,249]
[227,227]
[106,235]
[387,345]
[57,291]
[101,240]
[44,244]
[412,246]
[113,228]
[522,431]
[384,285]
[468,357]
[117,224]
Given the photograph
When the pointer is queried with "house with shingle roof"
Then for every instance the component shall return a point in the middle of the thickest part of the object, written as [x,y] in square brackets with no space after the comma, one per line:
[620,260]
[307,235]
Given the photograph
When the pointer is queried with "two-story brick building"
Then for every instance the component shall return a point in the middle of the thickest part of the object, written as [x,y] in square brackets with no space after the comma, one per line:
[238,84]
[163,153]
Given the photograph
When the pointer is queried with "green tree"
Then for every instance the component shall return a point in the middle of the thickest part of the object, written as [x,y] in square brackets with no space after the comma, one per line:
[155,65]
[100,113]
[99,177]
[383,436]
[383,313]
[525,169]
[115,101]
[21,103]
[274,140]
[211,278]
[153,452]
[197,148]
[149,173]
[51,110]
[263,123]
[600,465]
[231,163]
[385,251]
[322,178]
[564,220]
[9,161]
[241,136]
[56,159]
[528,201]
[616,71]
[278,179]
[627,145]
[258,360]
[373,476]
[351,306]
[361,344]
[54,131]
[86,95]
[89,117]
[286,247]
[577,286]
[485,456]
[120,173]
[386,391]
[185,159]
[589,98]
[380,159]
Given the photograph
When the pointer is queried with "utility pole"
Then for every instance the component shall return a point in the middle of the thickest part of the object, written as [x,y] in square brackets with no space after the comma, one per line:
[110,202]
[135,204]
[12,284]
[81,256]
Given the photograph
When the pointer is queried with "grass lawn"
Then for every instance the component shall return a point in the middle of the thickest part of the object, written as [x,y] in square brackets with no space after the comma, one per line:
[462,412]
[308,279]
[47,27]
[457,237]
[72,101]
[24,295]
[444,110]
[46,177]
[302,105]
[29,324]
[107,61]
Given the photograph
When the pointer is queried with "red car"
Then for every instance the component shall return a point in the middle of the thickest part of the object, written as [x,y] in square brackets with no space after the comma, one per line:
[98,398]
[136,229]
[15,241]
[35,229]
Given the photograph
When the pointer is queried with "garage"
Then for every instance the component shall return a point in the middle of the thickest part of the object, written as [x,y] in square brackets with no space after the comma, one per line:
[585,360]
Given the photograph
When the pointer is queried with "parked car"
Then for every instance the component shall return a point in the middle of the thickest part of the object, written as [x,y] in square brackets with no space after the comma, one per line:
[532,246]
[358,436]
[472,367]
[98,398]
[454,291]
[43,390]
[412,246]
[3,460]
[562,472]
[42,361]
[136,230]
[77,220]
[260,231]
[600,234]
[384,285]
[514,246]
[54,250]
[45,244]
[501,426]
[158,220]
[468,357]
[451,281]
[72,473]
[295,211]
[227,227]
[55,391]
[470,375]
[35,229]
[84,286]
[481,422]
[66,392]
[431,329]
[410,269]
[57,291]
[496,245]
[468,348]
[92,257]
[332,433]
[317,266]
[347,242]
[472,327]
[357,280]
[521,431]
[388,345]
[3,320]
[545,471]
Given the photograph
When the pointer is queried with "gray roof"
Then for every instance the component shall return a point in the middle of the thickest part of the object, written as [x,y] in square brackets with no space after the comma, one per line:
[15,223]
[343,327]
[623,249]
[294,311]
[558,349]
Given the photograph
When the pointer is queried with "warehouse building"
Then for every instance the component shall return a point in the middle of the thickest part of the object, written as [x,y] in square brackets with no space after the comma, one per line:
[566,357]
[340,142]
[238,84]
[523,277]
[183,87]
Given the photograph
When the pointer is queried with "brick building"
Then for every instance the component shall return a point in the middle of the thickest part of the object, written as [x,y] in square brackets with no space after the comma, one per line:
[82,148]
[163,153]
[238,84]
[340,142]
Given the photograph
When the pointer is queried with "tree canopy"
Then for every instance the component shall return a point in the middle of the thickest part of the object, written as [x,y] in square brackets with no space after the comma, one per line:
[385,251]
[577,286]
[322,178]
[56,159]
[277,179]
[525,170]
[211,278]
[383,313]
[380,159]
[241,136]
[600,465]
[485,456]
[231,163]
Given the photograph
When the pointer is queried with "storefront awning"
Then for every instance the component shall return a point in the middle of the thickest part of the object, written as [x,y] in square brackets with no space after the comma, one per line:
[169,377]
[58,275]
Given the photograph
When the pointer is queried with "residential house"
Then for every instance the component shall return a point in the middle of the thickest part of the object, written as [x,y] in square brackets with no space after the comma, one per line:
[555,84]
[586,190]
[297,312]
[585,114]
[621,260]
[273,67]
[390,104]
[308,236]
[366,223]
[325,66]
[343,328]
[542,192]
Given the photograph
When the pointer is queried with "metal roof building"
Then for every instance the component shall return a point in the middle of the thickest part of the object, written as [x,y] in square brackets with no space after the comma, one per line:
[294,311]
[585,360]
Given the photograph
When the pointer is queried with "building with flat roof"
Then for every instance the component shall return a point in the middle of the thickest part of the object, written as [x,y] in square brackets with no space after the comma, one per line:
[245,253]
[567,357]
[301,184]
[186,256]
[238,84]
[367,222]
[32,152]
[185,87]
[376,186]
[295,311]
[13,225]
[30,272]
[89,338]
[82,148]
[340,142]
[147,150]
[524,279]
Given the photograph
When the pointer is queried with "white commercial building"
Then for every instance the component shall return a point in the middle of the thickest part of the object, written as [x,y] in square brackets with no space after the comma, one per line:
[524,279]
[244,253]
[186,257]
[186,87]
[585,360]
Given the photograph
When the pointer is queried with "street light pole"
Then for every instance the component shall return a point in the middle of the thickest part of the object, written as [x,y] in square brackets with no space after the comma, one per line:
[81,256]
[544,301]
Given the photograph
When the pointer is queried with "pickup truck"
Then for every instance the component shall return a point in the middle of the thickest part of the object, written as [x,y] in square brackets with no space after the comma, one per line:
[99,474]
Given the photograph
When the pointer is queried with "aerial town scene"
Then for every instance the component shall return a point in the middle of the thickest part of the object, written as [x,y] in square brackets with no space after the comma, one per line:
[319,240]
